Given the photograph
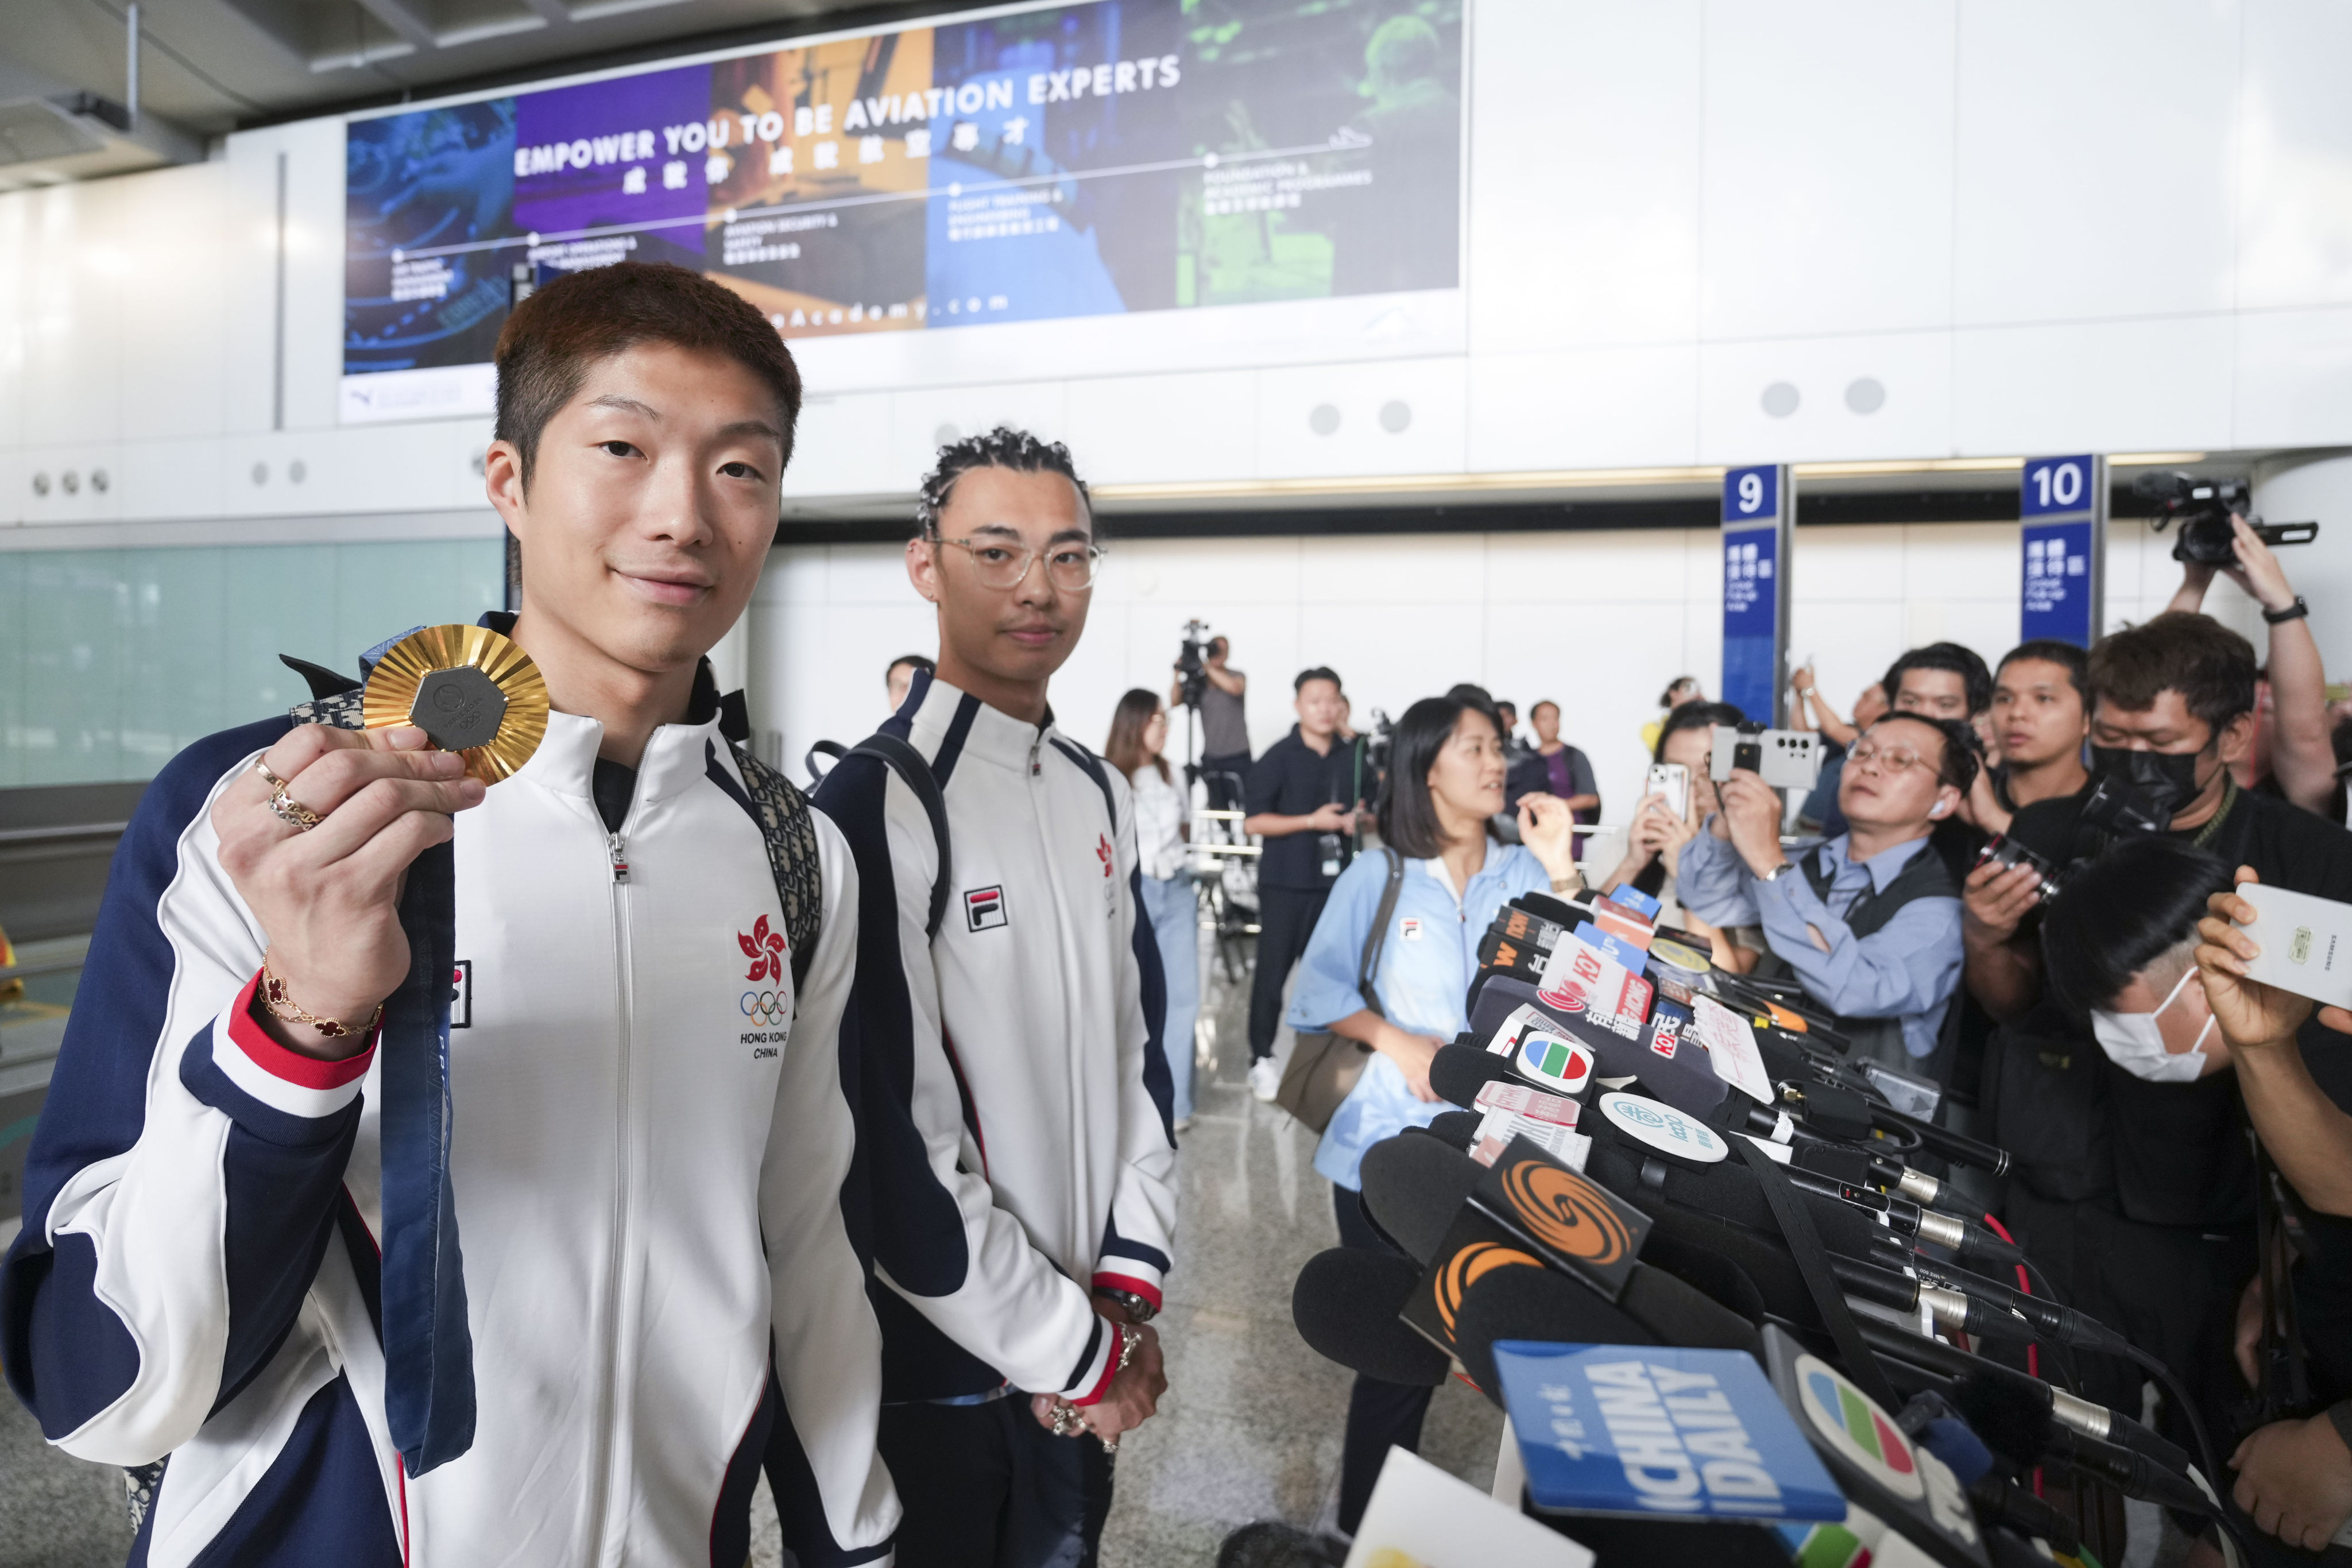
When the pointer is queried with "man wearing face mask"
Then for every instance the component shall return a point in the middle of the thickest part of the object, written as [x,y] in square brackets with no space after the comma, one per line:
[2163,1242]
[2172,712]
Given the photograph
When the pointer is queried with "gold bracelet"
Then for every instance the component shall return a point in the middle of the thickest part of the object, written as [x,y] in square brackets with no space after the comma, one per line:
[287,1010]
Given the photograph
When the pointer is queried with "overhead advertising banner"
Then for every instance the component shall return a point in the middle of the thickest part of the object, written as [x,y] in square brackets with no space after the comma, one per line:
[1088,159]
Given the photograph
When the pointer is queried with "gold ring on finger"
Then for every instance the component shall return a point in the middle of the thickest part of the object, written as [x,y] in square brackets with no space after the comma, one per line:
[292,812]
[261,766]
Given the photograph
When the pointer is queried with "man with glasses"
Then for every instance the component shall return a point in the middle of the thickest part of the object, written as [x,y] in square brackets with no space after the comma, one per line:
[1018,1165]
[1867,922]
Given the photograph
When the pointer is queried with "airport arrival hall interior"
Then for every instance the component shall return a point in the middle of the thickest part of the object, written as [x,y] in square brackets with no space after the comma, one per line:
[1175,783]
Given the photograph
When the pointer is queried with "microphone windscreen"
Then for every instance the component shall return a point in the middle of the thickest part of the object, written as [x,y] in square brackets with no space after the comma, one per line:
[1414,1186]
[1346,1304]
[1680,1314]
[1536,1304]
[1559,911]
[2007,1415]
[1459,1072]
[1455,1129]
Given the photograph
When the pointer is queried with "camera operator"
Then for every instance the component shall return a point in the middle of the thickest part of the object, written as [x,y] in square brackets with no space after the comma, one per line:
[2172,712]
[2291,755]
[1302,801]
[2295,1475]
[1869,921]
[1225,723]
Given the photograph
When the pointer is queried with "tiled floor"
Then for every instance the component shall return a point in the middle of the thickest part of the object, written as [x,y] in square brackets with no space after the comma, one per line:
[1249,1429]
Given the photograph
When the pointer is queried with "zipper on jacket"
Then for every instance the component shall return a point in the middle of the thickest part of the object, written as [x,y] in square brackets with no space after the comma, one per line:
[601,1489]
[1036,746]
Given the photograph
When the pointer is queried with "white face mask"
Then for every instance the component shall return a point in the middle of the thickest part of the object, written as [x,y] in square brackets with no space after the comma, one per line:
[2134,1043]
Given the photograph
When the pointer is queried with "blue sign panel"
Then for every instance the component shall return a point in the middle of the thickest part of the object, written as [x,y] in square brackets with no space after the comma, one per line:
[1659,1433]
[2056,601]
[1751,609]
[2056,486]
[1751,495]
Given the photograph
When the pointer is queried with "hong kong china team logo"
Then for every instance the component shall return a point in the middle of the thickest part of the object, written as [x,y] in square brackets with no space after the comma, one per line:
[765,948]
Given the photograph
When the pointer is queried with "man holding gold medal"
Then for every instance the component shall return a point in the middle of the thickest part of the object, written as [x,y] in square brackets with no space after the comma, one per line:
[507,950]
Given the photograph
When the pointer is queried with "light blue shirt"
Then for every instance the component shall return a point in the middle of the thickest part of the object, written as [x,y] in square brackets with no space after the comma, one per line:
[1907,969]
[1426,966]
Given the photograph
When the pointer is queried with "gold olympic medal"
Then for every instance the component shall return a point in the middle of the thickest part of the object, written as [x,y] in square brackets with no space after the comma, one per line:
[470,690]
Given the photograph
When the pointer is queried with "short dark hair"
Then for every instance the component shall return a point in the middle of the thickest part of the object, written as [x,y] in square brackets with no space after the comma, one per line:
[1958,766]
[2050,651]
[1217,644]
[2210,666]
[1975,679]
[1694,716]
[1542,705]
[1003,447]
[1315,673]
[922,662]
[1406,815]
[551,340]
[1502,703]
[2120,912]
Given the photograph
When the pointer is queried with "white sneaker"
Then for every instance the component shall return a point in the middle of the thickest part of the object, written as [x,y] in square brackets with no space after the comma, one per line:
[1264,1078]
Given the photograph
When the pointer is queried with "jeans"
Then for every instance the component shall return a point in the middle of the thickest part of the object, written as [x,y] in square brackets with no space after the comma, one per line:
[1379,1415]
[1285,919]
[1175,915]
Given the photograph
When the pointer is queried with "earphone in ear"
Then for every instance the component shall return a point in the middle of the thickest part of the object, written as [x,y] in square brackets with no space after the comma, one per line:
[1939,808]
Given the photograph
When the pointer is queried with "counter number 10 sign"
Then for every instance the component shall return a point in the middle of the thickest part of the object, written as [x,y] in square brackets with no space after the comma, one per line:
[2055,485]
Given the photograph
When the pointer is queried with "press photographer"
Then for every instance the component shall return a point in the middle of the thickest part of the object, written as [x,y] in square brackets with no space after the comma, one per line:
[1868,921]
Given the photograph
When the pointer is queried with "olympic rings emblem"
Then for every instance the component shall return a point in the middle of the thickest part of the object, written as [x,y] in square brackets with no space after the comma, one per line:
[764,1008]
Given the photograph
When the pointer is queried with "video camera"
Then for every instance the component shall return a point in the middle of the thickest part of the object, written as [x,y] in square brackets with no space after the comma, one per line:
[1191,662]
[2202,508]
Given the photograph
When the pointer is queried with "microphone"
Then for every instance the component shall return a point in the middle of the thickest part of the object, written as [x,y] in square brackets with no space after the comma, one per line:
[1676,1071]
[1459,1070]
[1346,1304]
[1534,1304]
[1414,1186]
[2070,1411]
[1455,1129]
[1418,1190]
[2020,1425]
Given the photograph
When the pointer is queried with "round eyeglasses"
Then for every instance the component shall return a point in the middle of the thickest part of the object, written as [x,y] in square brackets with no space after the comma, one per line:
[1005,565]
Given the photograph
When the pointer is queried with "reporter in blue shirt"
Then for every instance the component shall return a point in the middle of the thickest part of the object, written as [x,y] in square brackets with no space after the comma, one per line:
[1869,921]
[1444,782]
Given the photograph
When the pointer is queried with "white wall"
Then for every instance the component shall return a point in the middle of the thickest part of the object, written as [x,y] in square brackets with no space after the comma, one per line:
[1598,621]
[1986,208]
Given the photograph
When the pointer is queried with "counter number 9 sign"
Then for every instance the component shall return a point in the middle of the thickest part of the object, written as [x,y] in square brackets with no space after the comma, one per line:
[2055,485]
[1751,495]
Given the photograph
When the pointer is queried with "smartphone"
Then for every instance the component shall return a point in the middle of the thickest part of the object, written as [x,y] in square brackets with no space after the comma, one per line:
[1671,780]
[2306,944]
[1784,759]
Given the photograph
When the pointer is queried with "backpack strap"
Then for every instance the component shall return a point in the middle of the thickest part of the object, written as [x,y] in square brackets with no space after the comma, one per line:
[915,772]
[791,834]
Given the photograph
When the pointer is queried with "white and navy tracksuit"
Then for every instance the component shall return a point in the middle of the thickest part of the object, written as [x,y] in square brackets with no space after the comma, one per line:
[660,1281]
[1014,1102]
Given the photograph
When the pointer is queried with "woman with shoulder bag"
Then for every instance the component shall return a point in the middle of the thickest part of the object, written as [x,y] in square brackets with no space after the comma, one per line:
[1139,735]
[1444,781]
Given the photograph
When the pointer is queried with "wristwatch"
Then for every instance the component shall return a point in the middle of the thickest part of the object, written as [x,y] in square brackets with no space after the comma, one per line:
[2295,611]
[1778,872]
[1141,1311]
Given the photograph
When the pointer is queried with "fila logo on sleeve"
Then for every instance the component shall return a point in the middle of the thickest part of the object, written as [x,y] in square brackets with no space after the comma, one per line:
[984,908]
